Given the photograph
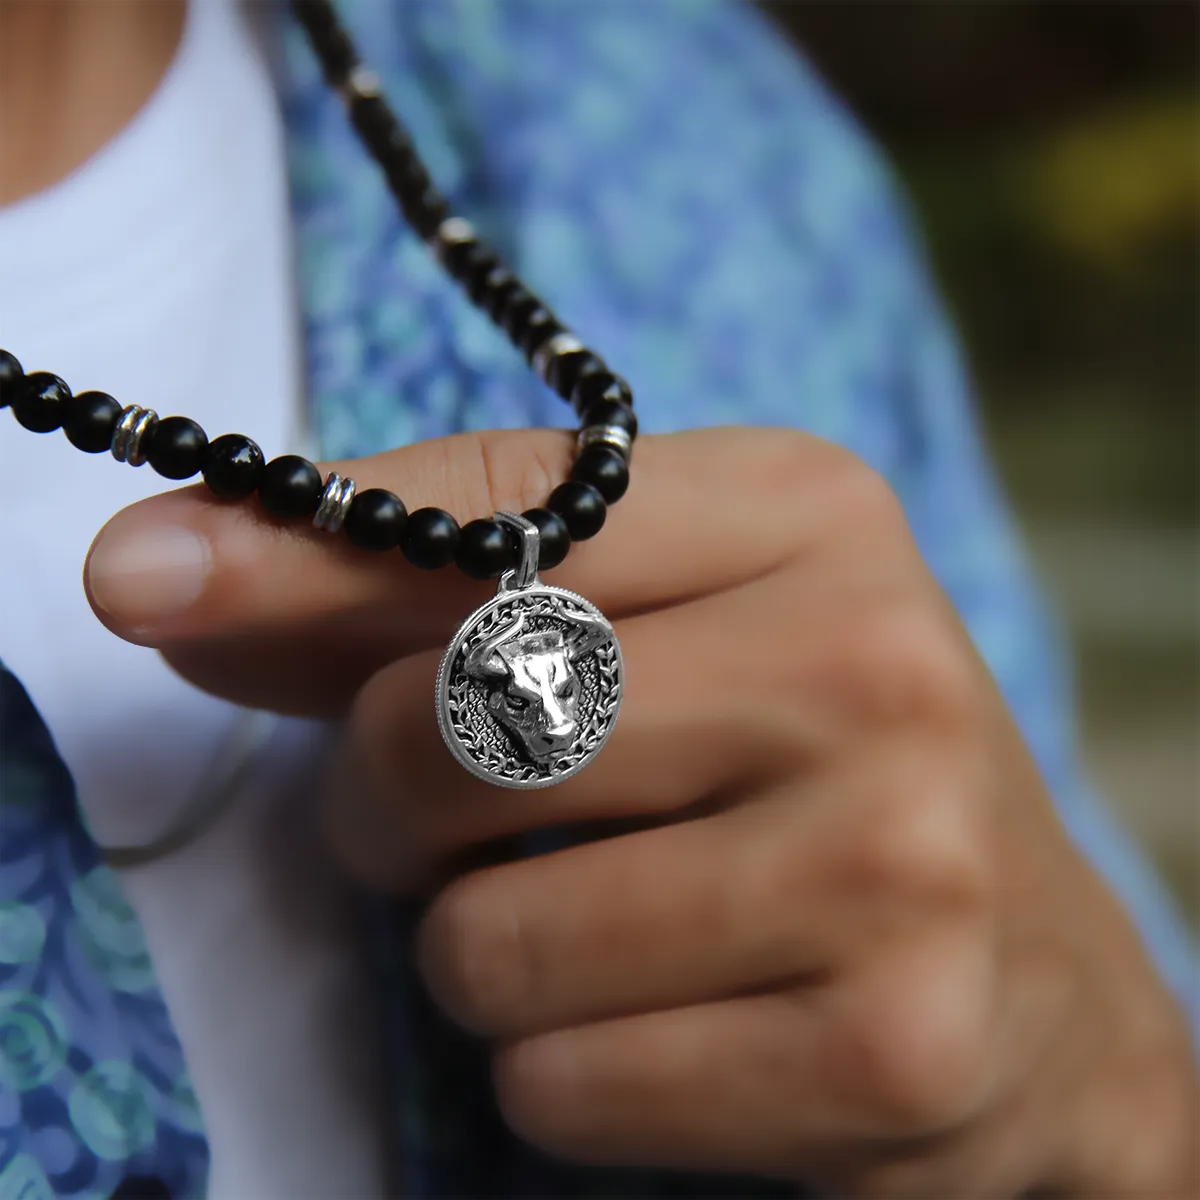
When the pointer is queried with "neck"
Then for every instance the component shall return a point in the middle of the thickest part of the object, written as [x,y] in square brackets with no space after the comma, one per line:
[73,74]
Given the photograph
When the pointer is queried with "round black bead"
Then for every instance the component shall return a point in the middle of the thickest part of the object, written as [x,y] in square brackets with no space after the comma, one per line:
[290,487]
[11,375]
[612,412]
[233,466]
[605,469]
[485,549]
[377,126]
[594,386]
[554,540]
[430,538]
[565,370]
[375,520]
[454,254]
[89,420]
[520,306]
[540,326]
[176,447]
[40,401]
[498,285]
[581,506]
[426,212]
[473,269]
[405,174]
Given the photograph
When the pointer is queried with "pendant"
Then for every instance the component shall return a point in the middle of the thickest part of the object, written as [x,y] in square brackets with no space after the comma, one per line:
[530,685]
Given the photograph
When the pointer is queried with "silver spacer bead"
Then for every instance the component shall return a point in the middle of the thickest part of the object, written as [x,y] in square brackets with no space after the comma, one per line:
[361,83]
[449,233]
[132,426]
[548,351]
[606,435]
[335,502]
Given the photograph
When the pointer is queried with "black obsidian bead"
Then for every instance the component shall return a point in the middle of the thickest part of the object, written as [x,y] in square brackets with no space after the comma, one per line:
[605,469]
[612,412]
[141,1187]
[11,375]
[498,285]
[540,326]
[485,549]
[375,520]
[381,133]
[430,538]
[176,447]
[89,420]
[581,506]
[555,539]
[406,176]
[333,46]
[518,308]
[40,401]
[564,370]
[233,466]
[473,269]
[454,254]
[290,487]
[592,387]
[426,212]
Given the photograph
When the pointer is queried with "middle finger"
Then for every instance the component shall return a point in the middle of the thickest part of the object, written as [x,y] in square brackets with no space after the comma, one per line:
[679,739]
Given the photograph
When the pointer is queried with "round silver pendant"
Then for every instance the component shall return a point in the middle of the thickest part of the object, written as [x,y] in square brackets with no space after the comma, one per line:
[529,687]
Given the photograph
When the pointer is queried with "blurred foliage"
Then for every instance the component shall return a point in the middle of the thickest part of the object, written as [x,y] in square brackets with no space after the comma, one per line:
[1052,154]
[1064,187]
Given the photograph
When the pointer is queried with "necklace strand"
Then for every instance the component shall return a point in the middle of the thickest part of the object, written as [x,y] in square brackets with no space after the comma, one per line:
[290,487]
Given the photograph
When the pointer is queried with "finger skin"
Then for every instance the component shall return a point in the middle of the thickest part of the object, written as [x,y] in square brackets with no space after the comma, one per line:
[676,915]
[706,511]
[676,741]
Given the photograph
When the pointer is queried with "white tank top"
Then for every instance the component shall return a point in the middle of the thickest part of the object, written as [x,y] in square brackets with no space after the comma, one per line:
[160,272]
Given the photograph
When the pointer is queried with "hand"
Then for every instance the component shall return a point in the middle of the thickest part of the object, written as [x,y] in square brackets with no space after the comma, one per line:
[837,936]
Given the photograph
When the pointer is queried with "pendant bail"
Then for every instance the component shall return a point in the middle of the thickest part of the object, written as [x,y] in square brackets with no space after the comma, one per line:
[529,540]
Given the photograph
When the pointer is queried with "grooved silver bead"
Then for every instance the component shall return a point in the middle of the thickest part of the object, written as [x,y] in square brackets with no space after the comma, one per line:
[362,83]
[132,426]
[606,435]
[335,502]
[449,233]
[548,351]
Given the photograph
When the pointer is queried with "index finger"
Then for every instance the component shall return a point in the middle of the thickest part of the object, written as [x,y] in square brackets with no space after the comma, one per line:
[289,618]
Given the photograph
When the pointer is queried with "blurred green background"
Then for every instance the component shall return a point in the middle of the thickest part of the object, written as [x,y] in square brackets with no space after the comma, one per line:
[1051,150]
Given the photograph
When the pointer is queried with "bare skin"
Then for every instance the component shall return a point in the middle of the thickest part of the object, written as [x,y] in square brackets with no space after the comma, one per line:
[73,73]
[837,934]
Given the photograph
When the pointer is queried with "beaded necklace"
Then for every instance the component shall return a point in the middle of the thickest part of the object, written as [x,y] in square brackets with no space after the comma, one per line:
[529,686]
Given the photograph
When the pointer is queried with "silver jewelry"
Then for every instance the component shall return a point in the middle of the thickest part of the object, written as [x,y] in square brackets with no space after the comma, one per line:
[529,687]
[449,233]
[132,426]
[335,502]
[362,83]
[606,435]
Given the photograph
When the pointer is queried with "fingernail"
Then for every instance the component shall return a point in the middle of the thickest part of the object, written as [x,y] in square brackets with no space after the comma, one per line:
[148,573]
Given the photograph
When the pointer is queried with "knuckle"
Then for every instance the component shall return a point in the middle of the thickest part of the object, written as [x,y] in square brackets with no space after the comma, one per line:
[861,496]
[473,954]
[901,665]
[916,1052]
[924,848]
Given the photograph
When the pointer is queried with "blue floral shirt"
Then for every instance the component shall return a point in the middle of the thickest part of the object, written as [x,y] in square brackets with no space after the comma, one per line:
[689,197]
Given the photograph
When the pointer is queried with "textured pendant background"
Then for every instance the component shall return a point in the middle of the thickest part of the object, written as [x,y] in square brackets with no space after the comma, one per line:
[533,666]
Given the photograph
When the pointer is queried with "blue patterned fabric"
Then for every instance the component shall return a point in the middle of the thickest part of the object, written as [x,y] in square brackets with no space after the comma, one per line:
[687,195]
